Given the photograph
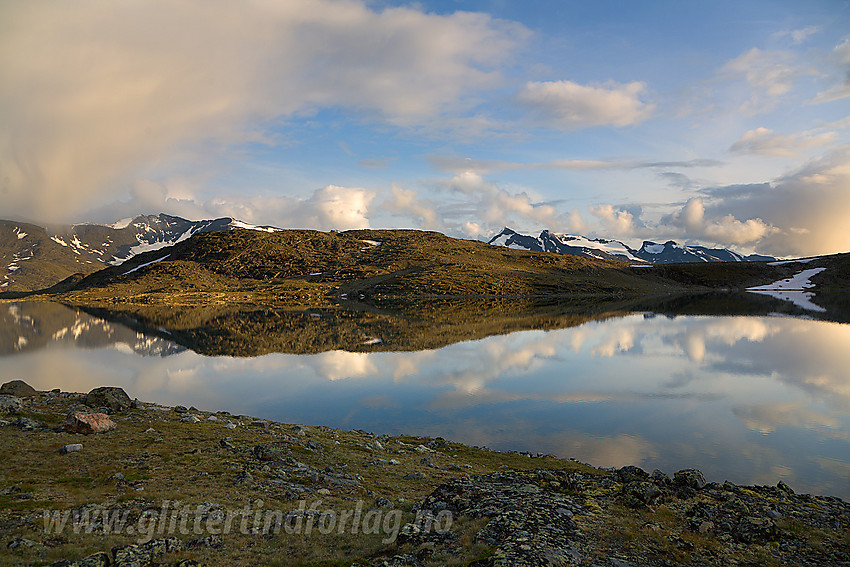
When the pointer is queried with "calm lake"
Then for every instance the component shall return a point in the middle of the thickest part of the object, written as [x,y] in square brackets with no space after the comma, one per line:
[750,398]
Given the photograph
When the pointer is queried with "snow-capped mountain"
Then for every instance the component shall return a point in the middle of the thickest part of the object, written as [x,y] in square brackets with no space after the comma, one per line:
[671,252]
[649,252]
[118,242]
[566,244]
[35,257]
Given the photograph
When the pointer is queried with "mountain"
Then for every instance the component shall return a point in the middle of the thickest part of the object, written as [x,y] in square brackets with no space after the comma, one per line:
[35,257]
[566,244]
[651,252]
[671,252]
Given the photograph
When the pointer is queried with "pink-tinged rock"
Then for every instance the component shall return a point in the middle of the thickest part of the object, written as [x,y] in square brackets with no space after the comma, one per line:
[87,423]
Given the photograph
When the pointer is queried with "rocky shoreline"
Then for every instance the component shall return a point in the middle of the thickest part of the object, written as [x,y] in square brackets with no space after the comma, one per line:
[144,484]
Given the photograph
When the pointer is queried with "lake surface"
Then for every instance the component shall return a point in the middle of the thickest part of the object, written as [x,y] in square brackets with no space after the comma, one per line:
[751,399]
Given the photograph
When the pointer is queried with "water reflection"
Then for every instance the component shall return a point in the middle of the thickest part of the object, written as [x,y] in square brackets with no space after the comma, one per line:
[752,399]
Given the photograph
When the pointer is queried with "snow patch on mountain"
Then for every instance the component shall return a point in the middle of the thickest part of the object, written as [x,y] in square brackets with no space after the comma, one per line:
[245,225]
[797,282]
[793,289]
[123,223]
[140,266]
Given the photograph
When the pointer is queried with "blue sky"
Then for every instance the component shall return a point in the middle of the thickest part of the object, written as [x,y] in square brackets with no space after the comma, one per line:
[722,123]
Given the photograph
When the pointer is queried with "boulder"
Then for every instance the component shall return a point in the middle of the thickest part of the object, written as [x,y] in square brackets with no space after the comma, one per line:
[10,404]
[639,493]
[631,473]
[18,388]
[690,478]
[87,423]
[73,448]
[110,397]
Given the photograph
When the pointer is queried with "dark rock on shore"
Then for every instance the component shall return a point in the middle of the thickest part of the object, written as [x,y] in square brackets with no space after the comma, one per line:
[18,388]
[109,397]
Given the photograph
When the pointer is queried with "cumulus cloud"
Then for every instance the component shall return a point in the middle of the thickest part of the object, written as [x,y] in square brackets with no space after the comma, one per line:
[498,207]
[328,208]
[765,142]
[407,202]
[802,213]
[726,229]
[621,222]
[571,106]
[93,98]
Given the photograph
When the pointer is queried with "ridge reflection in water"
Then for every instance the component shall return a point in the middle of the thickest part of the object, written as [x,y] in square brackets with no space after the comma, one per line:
[749,399]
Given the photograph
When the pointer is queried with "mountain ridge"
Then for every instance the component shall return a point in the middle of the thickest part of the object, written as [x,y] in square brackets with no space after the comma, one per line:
[650,252]
[35,257]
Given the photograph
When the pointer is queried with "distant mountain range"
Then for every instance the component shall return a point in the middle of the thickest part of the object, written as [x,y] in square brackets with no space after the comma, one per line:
[35,257]
[650,252]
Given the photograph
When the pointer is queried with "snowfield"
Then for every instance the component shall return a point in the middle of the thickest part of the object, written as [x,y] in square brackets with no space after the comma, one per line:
[792,289]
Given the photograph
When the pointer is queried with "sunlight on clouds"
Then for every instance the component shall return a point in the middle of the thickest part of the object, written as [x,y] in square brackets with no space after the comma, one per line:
[617,221]
[407,202]
[328,208]
[803,212]
[725,230]
[92,96]
[571,106]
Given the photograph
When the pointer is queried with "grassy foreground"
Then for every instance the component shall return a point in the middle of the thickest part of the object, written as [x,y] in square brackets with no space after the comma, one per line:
[180,473]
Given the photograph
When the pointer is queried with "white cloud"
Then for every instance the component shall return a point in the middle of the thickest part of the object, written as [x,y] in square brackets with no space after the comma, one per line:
[406,202]
[617,221]
[726,230]
[799,35]
[768,74]
[571,106]
[93,98]
[841,58]
[765,142]
[456,164]
[328,208]
[802,213]
[497,207]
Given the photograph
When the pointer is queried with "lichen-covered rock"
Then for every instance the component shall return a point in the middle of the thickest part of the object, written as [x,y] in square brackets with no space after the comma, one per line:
[87,423]
[638,493]
[10,405]
[632,473]
[528,525]
[690,478]
[110,397]
[266,452]
[18,388]
[99,559]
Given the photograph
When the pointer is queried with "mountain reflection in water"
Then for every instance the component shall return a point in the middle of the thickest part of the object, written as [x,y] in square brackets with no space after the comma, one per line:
[753,398]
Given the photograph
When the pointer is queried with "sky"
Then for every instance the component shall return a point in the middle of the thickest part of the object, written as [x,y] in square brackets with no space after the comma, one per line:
[718,123]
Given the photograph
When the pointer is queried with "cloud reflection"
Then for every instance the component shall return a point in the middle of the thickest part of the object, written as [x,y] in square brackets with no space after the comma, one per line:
[752,399]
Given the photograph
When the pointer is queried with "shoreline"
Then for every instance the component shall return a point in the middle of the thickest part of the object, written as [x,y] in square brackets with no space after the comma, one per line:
[303,494]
